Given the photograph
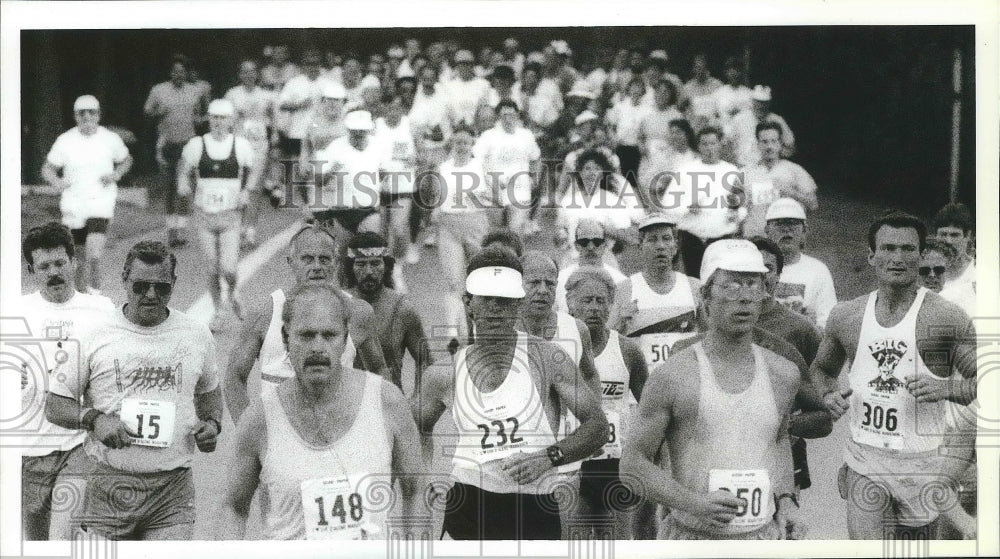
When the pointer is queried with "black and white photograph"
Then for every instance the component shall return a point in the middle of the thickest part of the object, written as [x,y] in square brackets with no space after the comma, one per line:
[495,279]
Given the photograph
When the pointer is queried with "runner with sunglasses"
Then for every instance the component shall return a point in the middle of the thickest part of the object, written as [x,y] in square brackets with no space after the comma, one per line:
[148,380]
[591,244]
[722,407]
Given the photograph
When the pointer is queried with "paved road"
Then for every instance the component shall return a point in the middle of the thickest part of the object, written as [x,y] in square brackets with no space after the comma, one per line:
[837,236]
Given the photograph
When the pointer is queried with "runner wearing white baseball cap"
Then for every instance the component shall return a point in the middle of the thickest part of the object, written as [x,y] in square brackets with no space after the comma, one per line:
[721,406]
[506,392]
[225,168]
[805,285]
[86,162]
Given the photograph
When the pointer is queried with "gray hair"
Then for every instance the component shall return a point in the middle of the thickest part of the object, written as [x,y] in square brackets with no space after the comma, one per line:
[584,273]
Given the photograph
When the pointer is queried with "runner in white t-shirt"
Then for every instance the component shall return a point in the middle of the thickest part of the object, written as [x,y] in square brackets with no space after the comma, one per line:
[299,99]
[254,111]
[91,160]
[510,158]
[148,381]
[55,316]
[773,177]
[351,191]
[399,169]
[953,225]
[225,172]
[806,285]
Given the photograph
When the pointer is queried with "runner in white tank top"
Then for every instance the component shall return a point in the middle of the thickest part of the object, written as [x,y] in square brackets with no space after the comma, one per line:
[312,258]
[623,373]
[900,391]
[722,407]
[326,447]
[498,388]
[657,306]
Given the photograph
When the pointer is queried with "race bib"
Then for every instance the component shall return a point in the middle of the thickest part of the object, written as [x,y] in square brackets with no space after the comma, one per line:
[333,508]
[753,486]
[500,436]
[763,193]
[216,198]
[879,421]
[616,434]
[151,420]
[656,347]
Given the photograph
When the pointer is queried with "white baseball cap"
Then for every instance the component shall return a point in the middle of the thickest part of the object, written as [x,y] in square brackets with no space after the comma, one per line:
[657,218]
[735,255]
[86,103]
[495,281]
[761,93]
[221,107]
[586,116]
[464,55]
[359,120]
[785,208]
[333,90]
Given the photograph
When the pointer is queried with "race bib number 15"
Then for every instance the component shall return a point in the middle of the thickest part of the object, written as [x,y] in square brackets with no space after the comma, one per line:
[151,420]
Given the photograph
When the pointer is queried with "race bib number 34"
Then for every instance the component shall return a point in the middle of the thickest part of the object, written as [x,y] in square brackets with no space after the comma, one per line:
[753,486]
[333,508]
[151,420]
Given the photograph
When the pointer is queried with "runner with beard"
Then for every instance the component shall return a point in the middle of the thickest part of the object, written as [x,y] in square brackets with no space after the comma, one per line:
[368,266]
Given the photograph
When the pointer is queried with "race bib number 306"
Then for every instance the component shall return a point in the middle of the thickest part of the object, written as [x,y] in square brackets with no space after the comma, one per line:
[753,486]
[334,509]
[151,420]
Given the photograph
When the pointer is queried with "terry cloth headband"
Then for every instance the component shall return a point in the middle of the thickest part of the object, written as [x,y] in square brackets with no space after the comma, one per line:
[495,281]
[369,252]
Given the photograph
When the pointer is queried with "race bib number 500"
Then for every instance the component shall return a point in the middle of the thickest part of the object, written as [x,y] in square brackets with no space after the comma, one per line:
[753,486]
[151,420]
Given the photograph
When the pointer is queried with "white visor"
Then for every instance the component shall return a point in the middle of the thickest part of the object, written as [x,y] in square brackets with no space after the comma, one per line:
[495,281]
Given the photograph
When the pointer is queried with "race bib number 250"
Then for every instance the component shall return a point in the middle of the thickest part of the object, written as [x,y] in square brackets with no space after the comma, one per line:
[753,486]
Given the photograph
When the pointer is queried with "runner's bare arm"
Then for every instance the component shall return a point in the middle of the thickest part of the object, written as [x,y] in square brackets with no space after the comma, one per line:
[952,334]
[646,436]
[408,466]
[122,167]
[51,175]
[620,309]
[568,383]
[415,341]
[241,359]
[831,355]
[243,475]
[638,373]
[813,420]
[587,367]
[364,331]
[184,172]
[428,401]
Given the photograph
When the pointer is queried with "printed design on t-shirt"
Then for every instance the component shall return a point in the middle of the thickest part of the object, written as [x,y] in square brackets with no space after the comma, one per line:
[149,378]
[612,388]
[888,354]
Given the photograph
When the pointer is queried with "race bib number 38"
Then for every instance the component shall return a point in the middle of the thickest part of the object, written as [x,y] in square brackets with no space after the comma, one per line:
[151,420]
[753,486]
[333,508]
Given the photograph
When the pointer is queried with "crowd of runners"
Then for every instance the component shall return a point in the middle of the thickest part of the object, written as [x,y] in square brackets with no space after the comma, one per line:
[654,375]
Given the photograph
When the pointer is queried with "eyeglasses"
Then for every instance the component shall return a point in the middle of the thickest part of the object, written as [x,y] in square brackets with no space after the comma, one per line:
[162,289]
[926,270]
[597,242]
[736,291]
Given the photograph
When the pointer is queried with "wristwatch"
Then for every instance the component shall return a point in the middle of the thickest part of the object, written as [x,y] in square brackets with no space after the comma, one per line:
[555,455]
[218,424]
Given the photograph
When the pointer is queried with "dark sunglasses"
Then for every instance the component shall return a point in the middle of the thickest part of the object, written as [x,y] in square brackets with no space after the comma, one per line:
[162,289]
[598,242]
[926,270]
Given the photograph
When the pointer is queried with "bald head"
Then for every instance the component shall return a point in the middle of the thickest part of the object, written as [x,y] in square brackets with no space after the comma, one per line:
[539,278]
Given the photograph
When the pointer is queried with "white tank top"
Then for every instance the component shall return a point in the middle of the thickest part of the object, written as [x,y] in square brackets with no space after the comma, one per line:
[311,492]
[722,456]
[883,414]
[615,380]
[497,424]
[670,316]
[274,364]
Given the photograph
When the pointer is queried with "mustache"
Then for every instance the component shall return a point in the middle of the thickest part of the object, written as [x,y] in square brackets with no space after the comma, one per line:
[55,280]
[317,360]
